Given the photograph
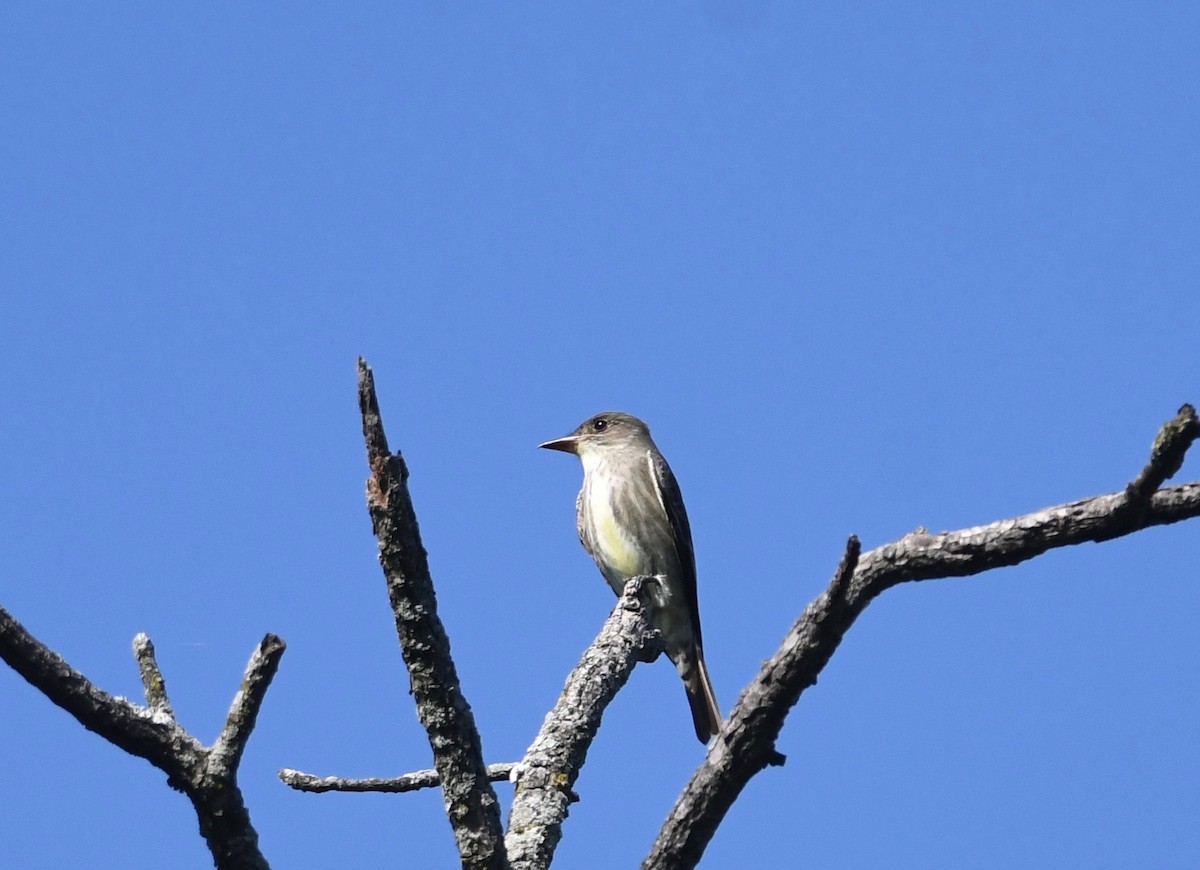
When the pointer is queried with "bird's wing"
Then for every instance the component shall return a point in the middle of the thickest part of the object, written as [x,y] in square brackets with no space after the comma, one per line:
[671,499]
[579,525]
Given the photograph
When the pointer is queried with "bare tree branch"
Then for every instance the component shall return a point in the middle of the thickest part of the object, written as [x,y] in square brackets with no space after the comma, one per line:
[548,771]
[208,778]
[224,819]
[546,775]
[226,753]
[1166,454]
[747,743]
[414,781]
[152,679]
[470,800]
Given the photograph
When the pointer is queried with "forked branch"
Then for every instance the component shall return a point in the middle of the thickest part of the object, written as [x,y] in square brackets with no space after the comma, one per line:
[206,774]
[747,743]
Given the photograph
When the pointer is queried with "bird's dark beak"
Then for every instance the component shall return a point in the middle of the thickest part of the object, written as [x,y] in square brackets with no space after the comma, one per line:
[566,444]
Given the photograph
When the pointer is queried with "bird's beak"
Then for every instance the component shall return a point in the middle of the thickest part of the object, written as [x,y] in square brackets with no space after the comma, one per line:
[567,444]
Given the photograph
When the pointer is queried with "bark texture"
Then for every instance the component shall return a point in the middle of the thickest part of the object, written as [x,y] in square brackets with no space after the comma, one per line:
[546,775]
[206,774]
[747,744]
[470,801]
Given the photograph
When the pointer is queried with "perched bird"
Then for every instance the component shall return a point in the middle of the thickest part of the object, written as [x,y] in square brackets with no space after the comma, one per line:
[631,519]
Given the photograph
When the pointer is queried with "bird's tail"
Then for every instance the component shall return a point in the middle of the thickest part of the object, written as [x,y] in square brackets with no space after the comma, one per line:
[706,714]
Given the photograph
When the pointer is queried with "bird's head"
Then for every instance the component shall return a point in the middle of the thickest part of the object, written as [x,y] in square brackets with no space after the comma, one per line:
[604,430]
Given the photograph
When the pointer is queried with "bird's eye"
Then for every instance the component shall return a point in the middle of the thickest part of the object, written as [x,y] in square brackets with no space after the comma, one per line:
[599,425]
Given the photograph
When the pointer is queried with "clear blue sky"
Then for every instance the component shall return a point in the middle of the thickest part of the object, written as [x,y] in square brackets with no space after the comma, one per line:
[862,267]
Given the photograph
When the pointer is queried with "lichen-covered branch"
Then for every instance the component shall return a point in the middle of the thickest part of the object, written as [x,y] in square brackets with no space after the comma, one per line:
[418,779]
[471,804]
[1166,454]
[226,752]
[152,679]
[747,744]
[208,778]
[547,773]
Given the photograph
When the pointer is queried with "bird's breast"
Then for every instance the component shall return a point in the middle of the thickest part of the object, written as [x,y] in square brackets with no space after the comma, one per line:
[615,549]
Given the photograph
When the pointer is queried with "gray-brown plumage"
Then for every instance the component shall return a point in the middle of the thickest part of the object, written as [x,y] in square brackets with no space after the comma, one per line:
[631,519]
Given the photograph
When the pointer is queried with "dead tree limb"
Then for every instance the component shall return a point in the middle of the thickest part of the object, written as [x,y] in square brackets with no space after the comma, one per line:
[551,765]
[470,801]
[206,774]
[747,743]
[415,781]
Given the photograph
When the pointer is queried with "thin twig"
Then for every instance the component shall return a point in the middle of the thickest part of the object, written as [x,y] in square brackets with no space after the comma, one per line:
[1166,455]
[846,567]
[152,678]
[226,752]
[414,781]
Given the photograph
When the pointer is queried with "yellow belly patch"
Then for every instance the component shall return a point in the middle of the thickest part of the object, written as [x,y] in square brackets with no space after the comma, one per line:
[618,550]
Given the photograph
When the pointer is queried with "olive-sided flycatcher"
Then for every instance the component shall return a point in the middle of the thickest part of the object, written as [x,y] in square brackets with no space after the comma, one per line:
[631,519]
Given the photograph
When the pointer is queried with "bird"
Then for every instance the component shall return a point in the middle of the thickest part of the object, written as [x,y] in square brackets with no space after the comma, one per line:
[630,518]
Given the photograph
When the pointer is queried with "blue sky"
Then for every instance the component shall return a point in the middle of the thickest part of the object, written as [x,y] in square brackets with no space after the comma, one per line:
[862,267]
